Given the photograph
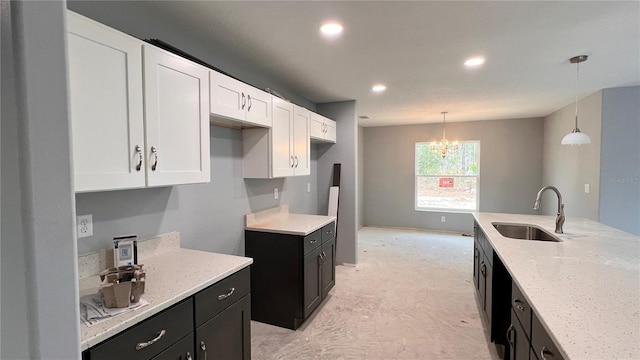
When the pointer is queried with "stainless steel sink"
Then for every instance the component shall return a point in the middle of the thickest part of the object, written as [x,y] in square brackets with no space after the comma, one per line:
[524,232]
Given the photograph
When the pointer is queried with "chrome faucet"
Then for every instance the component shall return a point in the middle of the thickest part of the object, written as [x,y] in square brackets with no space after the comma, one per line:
[560,215]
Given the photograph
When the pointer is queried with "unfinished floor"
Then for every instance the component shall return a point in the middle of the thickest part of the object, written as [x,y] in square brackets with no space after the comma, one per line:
[410,297]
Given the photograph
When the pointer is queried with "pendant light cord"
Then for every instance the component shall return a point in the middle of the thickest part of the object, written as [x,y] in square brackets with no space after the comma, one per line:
[577,76]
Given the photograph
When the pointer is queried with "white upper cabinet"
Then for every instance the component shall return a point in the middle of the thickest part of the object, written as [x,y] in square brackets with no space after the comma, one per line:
[323,129]
[105,82]
[301,141]
[119,131]
[238,101]
[176,107]
[283,150]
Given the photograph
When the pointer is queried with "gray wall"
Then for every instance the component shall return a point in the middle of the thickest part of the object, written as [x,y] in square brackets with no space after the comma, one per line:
[510,171]
[620,159]
[360,177]
[39,264]
[569,168]
[209,216]
[345,153]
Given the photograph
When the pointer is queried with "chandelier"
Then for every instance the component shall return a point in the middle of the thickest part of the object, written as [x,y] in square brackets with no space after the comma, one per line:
[443,146]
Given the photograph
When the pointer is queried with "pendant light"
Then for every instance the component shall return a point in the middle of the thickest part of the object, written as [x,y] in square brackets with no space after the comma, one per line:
[443,146]
[576,137]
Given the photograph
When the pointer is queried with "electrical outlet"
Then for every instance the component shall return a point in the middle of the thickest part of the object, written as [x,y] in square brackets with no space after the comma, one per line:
[587,188]
[308,187]
[275,193]
[443,219]
[84,224]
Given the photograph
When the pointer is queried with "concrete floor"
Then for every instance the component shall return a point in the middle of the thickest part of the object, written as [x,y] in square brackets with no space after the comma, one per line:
[410,297]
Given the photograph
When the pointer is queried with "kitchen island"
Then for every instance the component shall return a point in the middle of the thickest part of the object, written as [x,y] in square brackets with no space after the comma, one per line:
[584,289]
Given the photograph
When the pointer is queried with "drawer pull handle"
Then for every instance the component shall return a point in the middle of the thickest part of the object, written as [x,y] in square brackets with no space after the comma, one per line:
[313,241]
[203,347]
[143,345]
[189,356]
[139,154]
[544,351]
[518,304]
[224,296]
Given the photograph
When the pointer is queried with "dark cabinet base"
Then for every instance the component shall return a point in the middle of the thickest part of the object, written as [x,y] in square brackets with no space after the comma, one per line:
[290,274]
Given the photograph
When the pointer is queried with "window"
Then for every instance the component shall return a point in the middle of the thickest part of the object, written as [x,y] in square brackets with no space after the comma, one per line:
[450,183]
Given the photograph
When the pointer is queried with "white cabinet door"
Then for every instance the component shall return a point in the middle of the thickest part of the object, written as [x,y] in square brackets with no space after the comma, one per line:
[233,99]
[282,159]
[301,142]
[228,98]
[105,83]
[258,107]
[176,107]
[330,131]
[322,128]
[317,127]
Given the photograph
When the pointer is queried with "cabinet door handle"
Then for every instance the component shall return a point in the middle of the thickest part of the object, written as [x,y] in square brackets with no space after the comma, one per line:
[188,356]
[154,151]
[292,161]
[296,160]
[510,330]
[249,97]
[483,269]
[244,101]
[143,345]
[544,351]
[203,347]
[224,296]
[518,304]
[138,150]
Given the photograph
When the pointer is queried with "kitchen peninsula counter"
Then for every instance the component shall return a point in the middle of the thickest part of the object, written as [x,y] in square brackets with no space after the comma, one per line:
[172,275]
[585,288]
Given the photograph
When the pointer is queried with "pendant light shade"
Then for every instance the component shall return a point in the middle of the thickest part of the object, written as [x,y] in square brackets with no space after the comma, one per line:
[576,137]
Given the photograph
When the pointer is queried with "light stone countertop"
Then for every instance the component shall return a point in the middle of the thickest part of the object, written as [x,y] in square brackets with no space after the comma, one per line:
[584,289]
[171,276]
[279,220]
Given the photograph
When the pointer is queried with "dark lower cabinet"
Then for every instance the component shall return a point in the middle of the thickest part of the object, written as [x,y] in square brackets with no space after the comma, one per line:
[291,274]
[493,288]
[518,340]
[328,266]
[541,344]
[228,334]
[215,323]
[312,285]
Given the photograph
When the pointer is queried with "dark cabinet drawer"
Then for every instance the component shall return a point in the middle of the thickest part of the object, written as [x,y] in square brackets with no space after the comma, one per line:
[541,342]
[182,350]
[521,308]
[150,337]
[312,241]
[219,296]
[328,231]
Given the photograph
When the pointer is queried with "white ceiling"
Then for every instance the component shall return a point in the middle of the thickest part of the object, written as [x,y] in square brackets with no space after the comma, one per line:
[417,49]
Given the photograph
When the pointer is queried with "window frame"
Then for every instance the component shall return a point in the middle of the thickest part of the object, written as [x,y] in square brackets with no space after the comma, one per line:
[437,209]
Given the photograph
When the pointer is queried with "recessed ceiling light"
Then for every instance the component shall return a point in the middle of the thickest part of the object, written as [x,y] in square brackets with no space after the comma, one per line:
[331,29]
[474,61]
[378,88]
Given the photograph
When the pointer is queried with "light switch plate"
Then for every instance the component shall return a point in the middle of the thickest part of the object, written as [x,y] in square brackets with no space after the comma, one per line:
[308,187]
[275,193]
[587,188]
